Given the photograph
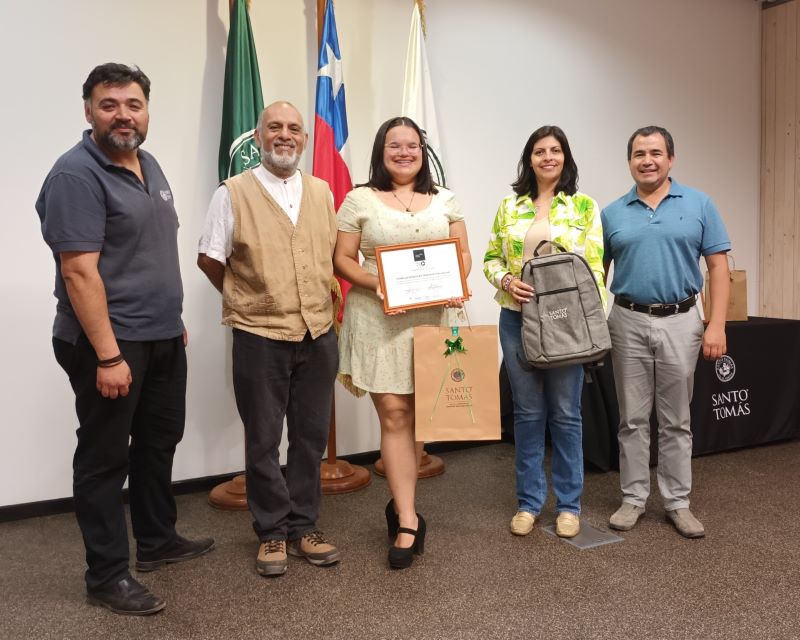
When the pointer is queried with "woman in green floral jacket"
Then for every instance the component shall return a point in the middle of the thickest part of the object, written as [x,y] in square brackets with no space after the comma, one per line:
[545,205]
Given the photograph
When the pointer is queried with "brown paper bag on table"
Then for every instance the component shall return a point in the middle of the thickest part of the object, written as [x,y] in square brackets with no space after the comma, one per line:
[737,302]
[456,383]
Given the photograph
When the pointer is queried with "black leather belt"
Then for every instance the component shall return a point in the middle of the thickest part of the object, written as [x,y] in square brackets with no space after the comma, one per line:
[657,309]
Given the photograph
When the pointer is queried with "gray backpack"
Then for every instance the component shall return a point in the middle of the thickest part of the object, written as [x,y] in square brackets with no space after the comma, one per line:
[564,322]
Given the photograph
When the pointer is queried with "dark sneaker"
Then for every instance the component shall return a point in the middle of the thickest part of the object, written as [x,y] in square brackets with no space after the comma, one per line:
[178,550]
[271,559]
[127,597]
[316,549]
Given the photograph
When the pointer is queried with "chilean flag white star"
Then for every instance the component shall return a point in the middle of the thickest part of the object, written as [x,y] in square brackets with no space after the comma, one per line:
[332,70]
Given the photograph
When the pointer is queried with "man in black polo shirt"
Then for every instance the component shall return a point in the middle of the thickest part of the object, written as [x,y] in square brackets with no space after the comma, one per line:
[107,214]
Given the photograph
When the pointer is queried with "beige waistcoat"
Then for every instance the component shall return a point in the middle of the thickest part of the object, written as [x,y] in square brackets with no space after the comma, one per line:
[278,276]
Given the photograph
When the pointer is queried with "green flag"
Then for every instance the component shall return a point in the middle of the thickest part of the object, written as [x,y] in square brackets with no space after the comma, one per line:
[243,101]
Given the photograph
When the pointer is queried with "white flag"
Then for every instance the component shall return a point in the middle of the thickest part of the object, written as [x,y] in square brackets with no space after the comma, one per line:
[418,95]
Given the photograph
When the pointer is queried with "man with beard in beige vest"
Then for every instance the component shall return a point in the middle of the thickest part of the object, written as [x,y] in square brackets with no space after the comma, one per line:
[267,247]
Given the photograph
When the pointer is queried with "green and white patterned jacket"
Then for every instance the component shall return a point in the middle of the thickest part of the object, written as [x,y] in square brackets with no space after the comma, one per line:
[574,223]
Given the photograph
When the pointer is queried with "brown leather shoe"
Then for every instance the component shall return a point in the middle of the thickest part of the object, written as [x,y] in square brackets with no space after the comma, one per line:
[271,560]
[316,549]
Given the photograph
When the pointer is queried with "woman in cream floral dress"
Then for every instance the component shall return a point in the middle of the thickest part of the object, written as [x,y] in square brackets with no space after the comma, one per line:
[399,204]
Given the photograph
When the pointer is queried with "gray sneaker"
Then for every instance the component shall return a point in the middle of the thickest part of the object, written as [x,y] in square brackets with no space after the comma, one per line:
[686,524]
[626,517]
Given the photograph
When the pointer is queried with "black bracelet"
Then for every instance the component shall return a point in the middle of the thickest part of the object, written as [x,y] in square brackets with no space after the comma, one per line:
[111,362]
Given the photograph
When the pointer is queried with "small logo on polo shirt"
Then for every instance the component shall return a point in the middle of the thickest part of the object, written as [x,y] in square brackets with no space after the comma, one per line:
[166,195]
[725,368]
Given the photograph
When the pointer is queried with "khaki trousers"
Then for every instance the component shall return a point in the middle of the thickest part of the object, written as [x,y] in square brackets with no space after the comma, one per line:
[654,360]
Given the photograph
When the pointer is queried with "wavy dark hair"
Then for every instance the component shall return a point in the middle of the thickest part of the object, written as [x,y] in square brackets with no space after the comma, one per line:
[113,74]
[379,177]
[649,131]
[525,183]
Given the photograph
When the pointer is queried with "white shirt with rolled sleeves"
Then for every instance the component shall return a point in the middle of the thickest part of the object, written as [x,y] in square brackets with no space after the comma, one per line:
[217,239]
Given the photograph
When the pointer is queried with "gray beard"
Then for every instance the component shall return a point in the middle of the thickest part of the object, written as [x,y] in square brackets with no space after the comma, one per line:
[283,163]
[121,143]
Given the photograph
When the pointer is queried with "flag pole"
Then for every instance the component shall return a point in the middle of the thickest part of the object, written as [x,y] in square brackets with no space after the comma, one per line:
[321,4]
[232,495]
[336,476]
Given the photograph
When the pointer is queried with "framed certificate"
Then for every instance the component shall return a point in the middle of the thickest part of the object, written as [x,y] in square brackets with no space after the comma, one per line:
[421,274]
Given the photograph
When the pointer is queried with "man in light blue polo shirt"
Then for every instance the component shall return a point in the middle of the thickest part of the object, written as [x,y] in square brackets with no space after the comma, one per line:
[655,235]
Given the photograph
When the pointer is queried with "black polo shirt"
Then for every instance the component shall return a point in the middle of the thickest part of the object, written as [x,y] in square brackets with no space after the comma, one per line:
[89,204]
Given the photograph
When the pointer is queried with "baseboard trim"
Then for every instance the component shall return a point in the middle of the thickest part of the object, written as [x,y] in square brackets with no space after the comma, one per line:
[58,506]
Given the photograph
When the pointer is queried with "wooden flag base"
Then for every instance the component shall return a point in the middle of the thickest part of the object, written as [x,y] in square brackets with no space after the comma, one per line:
[340,476]
[230,495]
[429,466]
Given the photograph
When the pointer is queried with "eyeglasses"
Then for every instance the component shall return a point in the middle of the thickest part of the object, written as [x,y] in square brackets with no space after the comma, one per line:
[412,148]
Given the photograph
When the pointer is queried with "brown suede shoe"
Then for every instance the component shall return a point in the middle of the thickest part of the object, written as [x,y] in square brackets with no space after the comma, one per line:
[316,549]
[568,525]
[522,523]
[271,560]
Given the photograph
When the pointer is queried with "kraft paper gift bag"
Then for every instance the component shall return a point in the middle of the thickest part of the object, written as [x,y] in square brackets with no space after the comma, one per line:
[737,303]
[456,383]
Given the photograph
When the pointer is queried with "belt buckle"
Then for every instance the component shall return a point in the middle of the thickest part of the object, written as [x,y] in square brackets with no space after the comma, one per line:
[677,308]
[631,306]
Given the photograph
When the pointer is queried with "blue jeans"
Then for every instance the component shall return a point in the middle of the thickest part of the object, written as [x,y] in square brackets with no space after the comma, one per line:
[544,397]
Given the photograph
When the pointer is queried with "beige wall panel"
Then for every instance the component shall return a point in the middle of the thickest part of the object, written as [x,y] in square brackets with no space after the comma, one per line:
[767,223]
[774,279]
[780,170]
[795,248]
[789,135]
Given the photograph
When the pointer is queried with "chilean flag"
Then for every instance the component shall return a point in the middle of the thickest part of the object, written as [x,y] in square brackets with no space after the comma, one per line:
[330,121]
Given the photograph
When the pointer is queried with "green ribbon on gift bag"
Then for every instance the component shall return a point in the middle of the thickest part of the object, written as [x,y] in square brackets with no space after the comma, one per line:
[454,347]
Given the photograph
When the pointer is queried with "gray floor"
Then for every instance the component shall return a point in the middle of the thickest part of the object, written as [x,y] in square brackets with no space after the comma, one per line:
[475,580]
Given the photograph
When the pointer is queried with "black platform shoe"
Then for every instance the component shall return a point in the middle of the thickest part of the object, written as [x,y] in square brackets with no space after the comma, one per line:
[392,519]
[402,557]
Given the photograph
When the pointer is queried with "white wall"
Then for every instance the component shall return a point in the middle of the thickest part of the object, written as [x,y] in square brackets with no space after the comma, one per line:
[500,69]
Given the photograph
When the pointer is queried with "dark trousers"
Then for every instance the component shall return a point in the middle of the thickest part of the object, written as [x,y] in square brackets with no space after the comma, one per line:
[273,379]
[133,437]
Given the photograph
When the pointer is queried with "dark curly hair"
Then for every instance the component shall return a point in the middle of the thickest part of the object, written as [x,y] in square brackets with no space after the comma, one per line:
[114,74]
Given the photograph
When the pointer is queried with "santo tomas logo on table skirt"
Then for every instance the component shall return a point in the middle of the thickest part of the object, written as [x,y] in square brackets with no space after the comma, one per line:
[729,404]
[725,368]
